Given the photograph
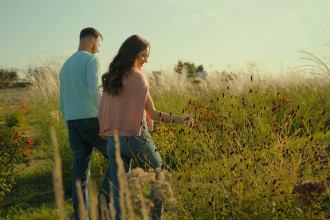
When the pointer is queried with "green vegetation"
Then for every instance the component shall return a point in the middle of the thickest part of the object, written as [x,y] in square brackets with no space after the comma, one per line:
[259,148]
[7,78]
[189,67]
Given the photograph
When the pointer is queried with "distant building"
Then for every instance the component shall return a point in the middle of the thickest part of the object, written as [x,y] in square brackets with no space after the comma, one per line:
[201,75]
[22,83]
[156,75]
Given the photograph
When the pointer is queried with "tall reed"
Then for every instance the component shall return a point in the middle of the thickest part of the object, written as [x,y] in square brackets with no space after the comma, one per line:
[57,178]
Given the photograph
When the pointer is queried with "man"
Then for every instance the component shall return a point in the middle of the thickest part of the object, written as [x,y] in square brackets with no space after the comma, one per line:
[79,100]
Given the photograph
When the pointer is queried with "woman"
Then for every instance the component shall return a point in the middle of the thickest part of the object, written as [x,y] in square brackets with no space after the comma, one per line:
[126,106]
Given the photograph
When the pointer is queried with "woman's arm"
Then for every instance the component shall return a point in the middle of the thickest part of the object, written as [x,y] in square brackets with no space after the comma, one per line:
[164,117]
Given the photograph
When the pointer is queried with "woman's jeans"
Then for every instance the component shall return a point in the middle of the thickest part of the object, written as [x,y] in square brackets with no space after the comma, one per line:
[142,149]
[83,138]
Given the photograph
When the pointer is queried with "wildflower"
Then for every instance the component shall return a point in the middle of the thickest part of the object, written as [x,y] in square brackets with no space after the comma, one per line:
[30,141]
[323,113]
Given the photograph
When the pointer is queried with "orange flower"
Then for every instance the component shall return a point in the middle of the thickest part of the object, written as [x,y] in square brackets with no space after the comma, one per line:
[30,141]
[17,172]
[284,100]
[26,153]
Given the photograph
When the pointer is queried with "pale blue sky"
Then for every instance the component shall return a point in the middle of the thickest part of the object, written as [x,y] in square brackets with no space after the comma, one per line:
[214,33]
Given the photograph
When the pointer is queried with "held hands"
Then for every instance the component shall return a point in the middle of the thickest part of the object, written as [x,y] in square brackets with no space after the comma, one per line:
[104,137]
[188,120]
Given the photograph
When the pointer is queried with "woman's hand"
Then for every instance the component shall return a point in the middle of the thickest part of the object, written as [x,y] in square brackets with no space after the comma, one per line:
[104,137]
[188,120]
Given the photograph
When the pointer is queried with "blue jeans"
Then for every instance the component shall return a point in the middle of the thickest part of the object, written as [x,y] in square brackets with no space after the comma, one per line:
[143,150]
[83,138]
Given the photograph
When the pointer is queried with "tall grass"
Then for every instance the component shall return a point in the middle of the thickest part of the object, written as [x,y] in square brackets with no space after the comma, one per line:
[256,139]
[57,178]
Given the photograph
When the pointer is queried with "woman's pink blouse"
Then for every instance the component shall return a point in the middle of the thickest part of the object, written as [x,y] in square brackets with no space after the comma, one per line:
[124,112]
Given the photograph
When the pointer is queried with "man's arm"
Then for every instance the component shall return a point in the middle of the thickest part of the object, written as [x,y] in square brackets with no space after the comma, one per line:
[93,72]
[61,106]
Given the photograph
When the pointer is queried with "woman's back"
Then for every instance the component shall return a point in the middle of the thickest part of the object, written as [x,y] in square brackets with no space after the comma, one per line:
[124,112]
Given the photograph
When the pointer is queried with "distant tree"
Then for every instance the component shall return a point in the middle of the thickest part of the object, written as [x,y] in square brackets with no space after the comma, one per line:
[200,68]
[190,68]
[7,78]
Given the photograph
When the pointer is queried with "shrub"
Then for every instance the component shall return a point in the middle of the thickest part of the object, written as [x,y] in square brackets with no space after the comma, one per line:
[14,148]
[15,119]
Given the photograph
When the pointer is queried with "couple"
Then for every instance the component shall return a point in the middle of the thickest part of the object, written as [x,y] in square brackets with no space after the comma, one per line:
[125,106]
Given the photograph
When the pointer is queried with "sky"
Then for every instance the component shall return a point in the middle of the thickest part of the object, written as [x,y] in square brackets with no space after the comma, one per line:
[214,33]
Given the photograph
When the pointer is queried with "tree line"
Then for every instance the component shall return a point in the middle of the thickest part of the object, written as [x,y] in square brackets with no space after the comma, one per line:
[189,67]
[9,78]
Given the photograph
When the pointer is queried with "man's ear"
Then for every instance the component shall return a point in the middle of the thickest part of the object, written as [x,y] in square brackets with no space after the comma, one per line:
[91,42]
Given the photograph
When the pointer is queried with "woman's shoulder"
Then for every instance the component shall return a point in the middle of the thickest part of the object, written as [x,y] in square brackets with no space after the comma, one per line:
[137,75]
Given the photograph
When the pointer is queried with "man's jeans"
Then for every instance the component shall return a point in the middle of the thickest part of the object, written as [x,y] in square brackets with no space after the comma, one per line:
[83,137]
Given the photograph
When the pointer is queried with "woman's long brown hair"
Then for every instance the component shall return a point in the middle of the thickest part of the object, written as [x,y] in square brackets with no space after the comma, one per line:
[122,63]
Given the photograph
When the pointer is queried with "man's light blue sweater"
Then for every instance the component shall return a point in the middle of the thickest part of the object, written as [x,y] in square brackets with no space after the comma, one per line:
[79,86]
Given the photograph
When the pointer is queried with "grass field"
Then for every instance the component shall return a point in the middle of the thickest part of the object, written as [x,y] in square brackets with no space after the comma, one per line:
[259,148]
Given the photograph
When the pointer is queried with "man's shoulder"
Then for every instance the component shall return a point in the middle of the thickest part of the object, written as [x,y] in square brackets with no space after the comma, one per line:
[83,55]
[80,57]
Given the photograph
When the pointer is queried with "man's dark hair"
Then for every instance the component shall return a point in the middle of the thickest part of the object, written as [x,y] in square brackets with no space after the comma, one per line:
[90,32]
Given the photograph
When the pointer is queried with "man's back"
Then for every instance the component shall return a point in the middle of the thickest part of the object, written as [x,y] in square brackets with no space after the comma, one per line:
[79,86]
